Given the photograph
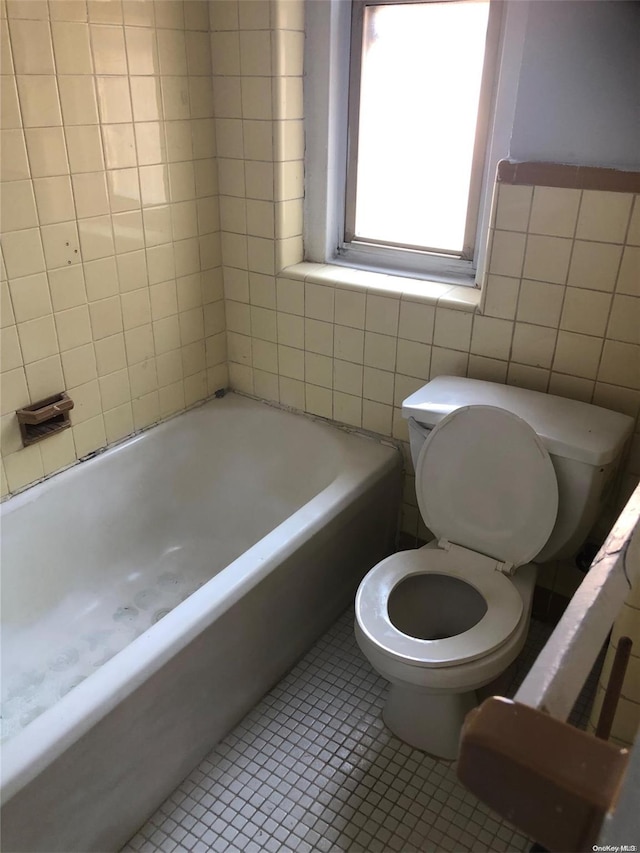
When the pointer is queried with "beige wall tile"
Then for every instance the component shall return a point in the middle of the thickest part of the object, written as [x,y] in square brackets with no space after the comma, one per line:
[318,370]
[96,237]
[114,101]
[32,9]
[620,364]
[585,311]
[416,322]
[413,359]
[84,148]
[105,13]
[90,193]
[527,376]
[594,265]
[44,377]
[9,104]
[491,337]
[32,47]
[347,409]
[47,152]
[554,211]
[68,10]
[39,102]
[170,13]
[14,165]
[118,422]
[500,296]
[72,48]
[58,452]
[624,322]
[619,399]
[24,467]
[143,378]
[577,355]
[67,287]
[540,303]
[452,329]
[30,297]
[146,98]
[10,354]
[533,345]
[54,199]
[348,377]
[633,234]
[89,436]
[60,244]
[380,351]
[109,56]
[78,99]
[604,216]
[507,254]
[79,365]
[349,344]
[146,409]
[13,391]
[513,208]
[629,274]
[253,15]
[23,254]
[448,362]
[37,339]
[18,206]
[382,315]
[572,387]
[489,369]
[547,259]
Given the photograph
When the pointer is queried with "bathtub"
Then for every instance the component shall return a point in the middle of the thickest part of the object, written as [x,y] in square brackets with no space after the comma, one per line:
[153,594]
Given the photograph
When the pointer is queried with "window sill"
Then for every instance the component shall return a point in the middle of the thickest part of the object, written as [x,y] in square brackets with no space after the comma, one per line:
[457,297]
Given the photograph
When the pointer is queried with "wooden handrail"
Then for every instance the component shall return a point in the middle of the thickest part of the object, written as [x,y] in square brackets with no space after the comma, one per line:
[551,780]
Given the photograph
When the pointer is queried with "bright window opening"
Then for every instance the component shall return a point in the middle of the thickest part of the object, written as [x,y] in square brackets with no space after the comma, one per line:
[416,146]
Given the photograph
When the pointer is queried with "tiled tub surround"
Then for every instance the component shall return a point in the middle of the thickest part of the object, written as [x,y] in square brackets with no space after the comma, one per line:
[265,539]
[111,273]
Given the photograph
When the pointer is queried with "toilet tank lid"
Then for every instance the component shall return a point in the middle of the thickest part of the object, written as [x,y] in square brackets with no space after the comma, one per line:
[568,428]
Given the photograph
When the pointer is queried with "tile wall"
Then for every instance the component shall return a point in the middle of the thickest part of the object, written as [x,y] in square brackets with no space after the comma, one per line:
[258,50]
[111,273]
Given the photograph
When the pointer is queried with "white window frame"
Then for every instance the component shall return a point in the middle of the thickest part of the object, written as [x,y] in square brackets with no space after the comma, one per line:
[328,27]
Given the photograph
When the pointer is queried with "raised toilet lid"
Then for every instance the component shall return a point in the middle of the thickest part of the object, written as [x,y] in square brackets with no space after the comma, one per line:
[484,481]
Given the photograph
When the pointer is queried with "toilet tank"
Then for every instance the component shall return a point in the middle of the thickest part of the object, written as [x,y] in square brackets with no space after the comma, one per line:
[585,444]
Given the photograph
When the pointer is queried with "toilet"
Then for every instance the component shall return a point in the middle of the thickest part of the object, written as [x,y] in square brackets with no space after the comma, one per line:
[506,478]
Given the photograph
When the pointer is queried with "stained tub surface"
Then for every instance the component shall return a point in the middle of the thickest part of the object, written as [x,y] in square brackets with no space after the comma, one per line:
[152,595]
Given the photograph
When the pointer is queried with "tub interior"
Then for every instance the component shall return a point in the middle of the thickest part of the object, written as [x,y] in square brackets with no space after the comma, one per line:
[94,557]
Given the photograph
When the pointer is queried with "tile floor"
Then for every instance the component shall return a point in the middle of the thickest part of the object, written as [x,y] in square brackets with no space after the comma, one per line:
[313,768]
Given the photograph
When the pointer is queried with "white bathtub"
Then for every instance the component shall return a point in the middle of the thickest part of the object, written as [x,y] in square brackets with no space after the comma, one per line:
[264,522]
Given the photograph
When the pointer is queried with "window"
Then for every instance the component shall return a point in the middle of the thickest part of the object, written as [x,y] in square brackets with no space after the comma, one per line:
[409,94]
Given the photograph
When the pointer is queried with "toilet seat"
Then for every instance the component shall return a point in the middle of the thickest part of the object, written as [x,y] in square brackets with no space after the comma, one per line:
[503,615]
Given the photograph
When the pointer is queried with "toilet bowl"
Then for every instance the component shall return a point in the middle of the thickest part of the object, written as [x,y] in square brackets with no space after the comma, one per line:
[438,626]
[505,477]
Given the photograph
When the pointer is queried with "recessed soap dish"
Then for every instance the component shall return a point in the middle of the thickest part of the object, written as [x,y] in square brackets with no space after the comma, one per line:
[44,418]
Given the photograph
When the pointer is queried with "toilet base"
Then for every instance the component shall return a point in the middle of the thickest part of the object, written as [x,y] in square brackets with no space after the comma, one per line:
[428,721]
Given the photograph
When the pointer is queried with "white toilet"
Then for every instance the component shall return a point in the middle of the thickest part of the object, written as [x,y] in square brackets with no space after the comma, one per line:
[505,478]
